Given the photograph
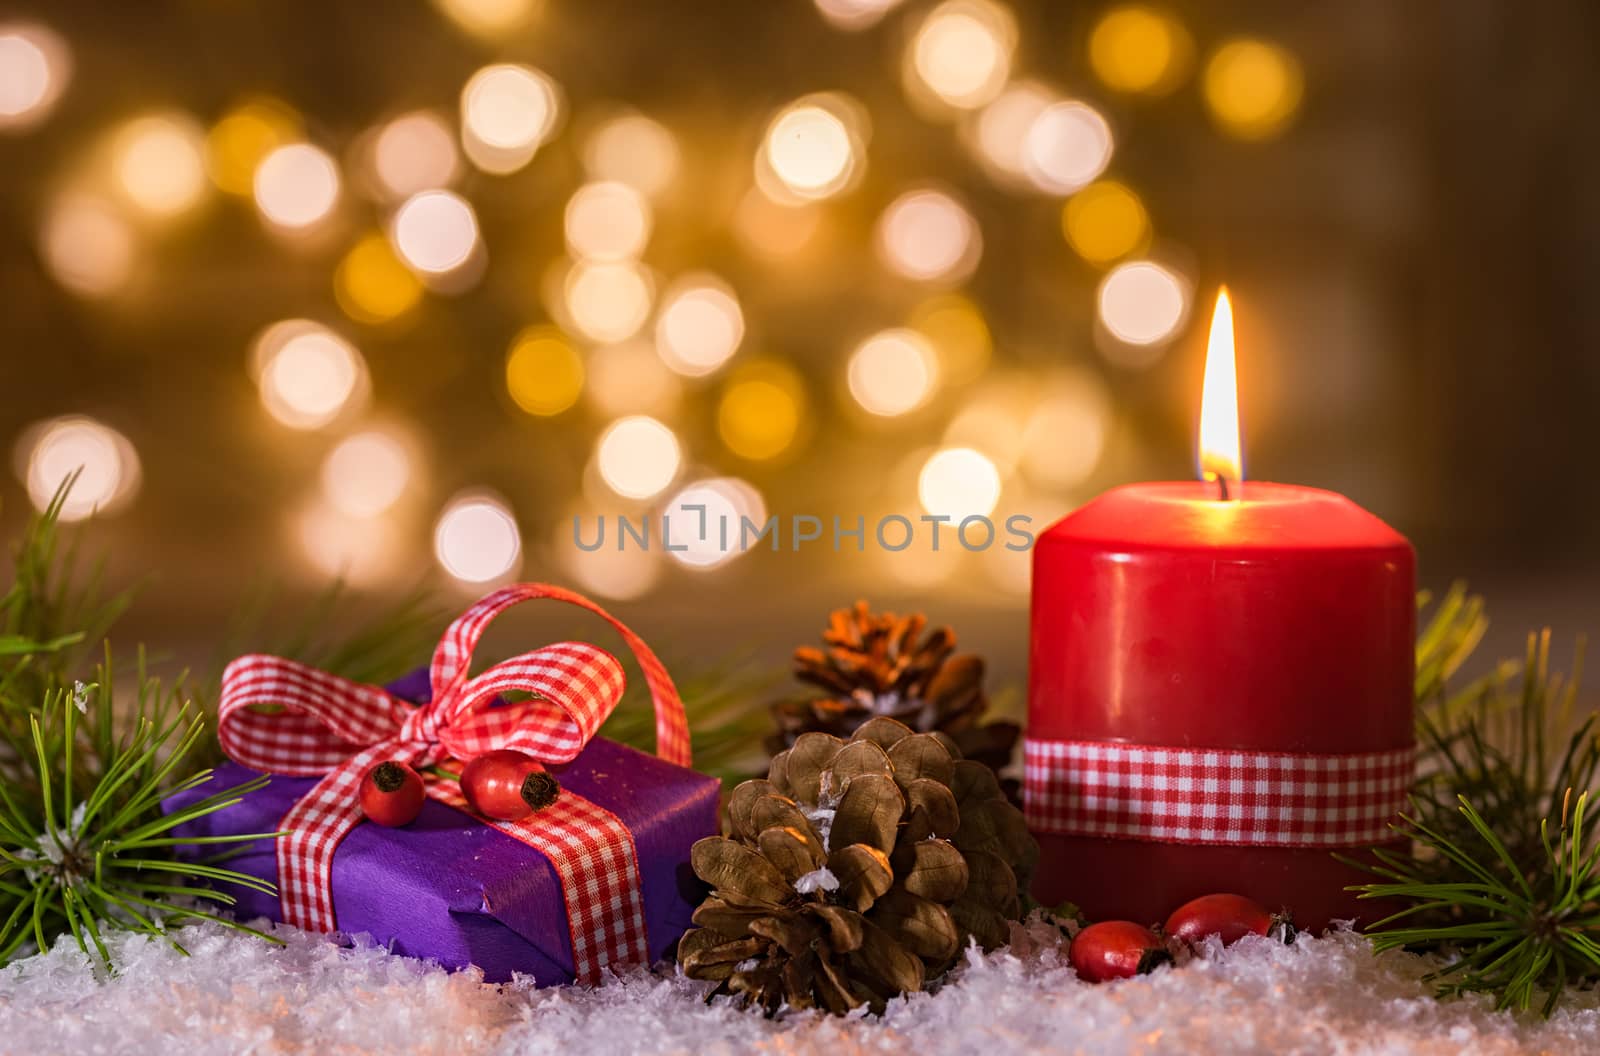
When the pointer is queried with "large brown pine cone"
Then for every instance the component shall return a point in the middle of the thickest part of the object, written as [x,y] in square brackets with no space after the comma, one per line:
[881,664]
[857,871]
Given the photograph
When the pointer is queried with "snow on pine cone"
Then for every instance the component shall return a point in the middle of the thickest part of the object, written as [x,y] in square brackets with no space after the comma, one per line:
[857,871]
[882,664]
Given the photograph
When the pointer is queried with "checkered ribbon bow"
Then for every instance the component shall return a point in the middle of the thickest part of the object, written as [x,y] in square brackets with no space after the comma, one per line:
[287,718]
[1214,795]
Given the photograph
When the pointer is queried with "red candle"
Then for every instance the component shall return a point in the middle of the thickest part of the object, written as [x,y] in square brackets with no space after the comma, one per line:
[1220,691]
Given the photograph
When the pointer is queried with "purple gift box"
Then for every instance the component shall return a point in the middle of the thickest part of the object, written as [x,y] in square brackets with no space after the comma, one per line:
[449,888]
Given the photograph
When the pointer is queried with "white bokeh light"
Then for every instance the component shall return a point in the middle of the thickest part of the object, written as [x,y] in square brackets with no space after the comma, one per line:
[704,519]
[958,482]
[1142,303]
[855,14]
[296,186]
[638,457]
[415,152]
[810,150]
[961,53]
[307,375]
[928,236]
[366,474]
[999,135]
[607,221]
[476,539]
[893,372]
[700,325]
[608,302]
[435,232]
[35,67]
[1067,146]
[106,463]
[507,113]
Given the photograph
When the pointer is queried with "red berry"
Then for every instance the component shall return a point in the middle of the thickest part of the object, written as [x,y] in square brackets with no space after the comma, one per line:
[507,785]
[391,794]
[1116,949]
[1230,917]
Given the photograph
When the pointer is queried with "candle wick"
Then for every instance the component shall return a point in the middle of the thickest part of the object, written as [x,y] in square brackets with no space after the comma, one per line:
[1222,487]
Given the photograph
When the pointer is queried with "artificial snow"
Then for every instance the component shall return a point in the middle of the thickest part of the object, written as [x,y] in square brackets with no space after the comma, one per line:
[817,880]
[237,994]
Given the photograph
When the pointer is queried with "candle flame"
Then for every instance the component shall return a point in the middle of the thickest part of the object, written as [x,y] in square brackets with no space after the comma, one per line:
[1220,456]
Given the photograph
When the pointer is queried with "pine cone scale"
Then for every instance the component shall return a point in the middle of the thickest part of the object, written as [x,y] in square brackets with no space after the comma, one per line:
[844,879]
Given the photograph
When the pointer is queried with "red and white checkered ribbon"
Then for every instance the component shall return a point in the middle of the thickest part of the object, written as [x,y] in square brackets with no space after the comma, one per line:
[1213,795]
[287,718]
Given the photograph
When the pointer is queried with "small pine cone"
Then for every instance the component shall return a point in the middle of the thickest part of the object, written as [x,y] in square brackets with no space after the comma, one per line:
[882,665]
[856,872]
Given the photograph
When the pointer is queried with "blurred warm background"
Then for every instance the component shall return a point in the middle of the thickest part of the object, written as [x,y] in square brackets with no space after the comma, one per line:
[395,291]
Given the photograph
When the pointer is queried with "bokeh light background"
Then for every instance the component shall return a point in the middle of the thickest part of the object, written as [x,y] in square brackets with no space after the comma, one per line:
[396,291]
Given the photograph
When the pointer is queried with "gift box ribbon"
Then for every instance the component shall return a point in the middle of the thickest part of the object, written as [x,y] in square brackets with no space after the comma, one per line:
[288,718]
[1214,795]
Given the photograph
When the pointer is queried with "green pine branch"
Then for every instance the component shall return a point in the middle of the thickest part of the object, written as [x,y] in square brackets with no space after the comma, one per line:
[85,763]
[1511,906]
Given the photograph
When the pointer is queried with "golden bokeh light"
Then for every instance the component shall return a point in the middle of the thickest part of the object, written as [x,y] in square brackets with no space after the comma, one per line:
[360,551]
[107,465]
[774,229]
[608,572]
[415,152]
[1066,432]
[35,67]
[893,372]
[435,232]
[960,337]
[633,149]
[1221,454]
[1069,144]
[761,411]
[544,373]
[490,18]
[476,540]
[991,422]
[1142,304]
[705,519]
[958,482]
[1253,88]
[372,285]
[307,375]
[366,474]
[609,220]
[960,55]
[999,134]
[631,379]
[236,145]
[159,163]
[1140,49]
[700,325]
[87,245]
[638,457]
[608,302]
[855,14]
[1105,222]
[928,236]
[813,149]
[507,113]
[296,186]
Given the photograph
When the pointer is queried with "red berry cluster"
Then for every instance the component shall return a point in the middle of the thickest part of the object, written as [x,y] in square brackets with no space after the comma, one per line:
[1121,949]
[504,784]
